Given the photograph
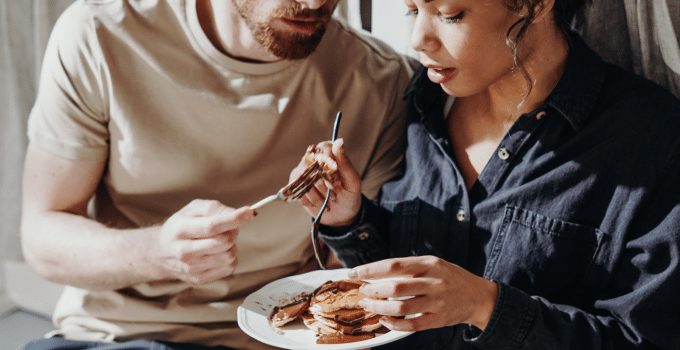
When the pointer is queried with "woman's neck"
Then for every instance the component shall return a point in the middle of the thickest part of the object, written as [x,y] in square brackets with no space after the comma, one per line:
[544,54]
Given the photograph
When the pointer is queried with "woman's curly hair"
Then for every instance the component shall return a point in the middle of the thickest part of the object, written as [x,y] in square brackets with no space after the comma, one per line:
[563,12]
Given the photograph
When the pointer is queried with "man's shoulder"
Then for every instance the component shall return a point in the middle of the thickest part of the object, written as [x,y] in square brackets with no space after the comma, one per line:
[359,40]
[349,46]
[117,15]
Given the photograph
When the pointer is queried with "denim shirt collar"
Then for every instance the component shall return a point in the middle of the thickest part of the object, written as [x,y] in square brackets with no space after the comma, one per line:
[574,96]
[579,87]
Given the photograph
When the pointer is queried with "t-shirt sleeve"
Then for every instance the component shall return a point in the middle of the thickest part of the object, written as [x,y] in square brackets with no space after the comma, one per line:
[386,161]
[69,116]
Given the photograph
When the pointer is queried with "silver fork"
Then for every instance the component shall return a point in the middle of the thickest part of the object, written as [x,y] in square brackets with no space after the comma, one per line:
[303,183]
[297,188]
[316,221]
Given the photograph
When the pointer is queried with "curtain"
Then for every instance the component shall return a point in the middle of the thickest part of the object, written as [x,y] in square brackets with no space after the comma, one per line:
[24,28]
[638,35]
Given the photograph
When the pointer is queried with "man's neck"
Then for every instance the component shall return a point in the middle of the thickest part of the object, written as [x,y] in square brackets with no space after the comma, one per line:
[229,32]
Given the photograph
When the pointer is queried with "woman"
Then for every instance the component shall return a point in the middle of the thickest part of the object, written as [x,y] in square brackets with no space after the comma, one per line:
[539,210]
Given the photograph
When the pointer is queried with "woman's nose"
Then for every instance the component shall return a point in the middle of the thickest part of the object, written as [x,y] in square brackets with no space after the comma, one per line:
[423,36]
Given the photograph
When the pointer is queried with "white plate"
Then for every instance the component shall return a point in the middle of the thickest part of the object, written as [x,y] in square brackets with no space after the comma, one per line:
[253,314]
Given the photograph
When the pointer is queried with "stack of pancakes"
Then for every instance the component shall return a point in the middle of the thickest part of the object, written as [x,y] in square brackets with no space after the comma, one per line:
[333,312]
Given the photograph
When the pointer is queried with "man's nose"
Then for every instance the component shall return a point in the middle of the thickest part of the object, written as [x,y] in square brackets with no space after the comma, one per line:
[312,4]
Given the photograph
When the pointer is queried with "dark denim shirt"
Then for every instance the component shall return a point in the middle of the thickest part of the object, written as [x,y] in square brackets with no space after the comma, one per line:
[576,217]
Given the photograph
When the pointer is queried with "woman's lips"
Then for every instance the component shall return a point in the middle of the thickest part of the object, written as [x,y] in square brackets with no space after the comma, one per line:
[440,75]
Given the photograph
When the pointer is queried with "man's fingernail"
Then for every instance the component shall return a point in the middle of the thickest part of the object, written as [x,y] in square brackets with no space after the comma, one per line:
[352,273]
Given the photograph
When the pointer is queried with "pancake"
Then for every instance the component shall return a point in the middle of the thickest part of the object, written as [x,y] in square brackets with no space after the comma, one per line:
[332,311]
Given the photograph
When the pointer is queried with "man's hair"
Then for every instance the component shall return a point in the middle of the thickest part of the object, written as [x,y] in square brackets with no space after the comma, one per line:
[563,12]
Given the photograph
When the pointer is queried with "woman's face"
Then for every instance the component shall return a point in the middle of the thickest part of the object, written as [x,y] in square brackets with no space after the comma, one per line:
[462,42]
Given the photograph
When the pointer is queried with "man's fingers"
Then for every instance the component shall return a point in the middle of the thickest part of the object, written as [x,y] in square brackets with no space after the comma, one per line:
[203,207]
[410,266]
[213,274]
[207,226]
[213,245]
[204,263]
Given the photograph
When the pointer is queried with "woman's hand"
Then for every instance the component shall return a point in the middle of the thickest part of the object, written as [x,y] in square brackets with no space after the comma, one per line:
[345,202]
[445,294]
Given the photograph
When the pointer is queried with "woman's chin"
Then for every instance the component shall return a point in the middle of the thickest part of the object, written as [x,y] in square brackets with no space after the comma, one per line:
[454,88]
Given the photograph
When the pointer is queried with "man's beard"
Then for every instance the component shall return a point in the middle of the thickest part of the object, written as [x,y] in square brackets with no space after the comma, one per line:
[281,43]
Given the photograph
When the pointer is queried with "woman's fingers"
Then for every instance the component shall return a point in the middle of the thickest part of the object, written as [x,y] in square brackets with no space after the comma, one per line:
[410,266]
[422,322]
[348,175]
[400,288]
[315,197]
[391,307]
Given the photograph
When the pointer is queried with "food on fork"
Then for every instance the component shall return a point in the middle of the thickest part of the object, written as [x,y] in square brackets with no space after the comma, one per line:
[316,155]
[319,166]
[332,311]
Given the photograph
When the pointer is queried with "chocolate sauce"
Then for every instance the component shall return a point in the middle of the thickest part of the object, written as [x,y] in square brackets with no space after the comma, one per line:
[340,338]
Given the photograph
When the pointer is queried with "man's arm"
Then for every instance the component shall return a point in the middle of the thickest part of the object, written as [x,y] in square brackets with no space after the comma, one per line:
[196,245]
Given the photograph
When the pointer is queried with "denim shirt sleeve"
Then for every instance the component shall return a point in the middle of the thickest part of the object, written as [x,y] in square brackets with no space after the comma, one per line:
[646,278]
[362,242]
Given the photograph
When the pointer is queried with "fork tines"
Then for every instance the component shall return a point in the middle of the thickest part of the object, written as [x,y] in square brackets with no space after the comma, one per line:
[303,183]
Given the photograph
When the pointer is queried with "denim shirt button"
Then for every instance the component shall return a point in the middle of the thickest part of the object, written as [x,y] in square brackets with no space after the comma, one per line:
[503,154]
[540,115]
[362,236]
[460,216]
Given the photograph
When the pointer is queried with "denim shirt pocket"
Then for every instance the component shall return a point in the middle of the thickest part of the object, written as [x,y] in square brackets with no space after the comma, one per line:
[404,237]
[542,255]
[420,228]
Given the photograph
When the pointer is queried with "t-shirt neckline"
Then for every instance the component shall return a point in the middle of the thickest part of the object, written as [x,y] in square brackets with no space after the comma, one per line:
[220,58]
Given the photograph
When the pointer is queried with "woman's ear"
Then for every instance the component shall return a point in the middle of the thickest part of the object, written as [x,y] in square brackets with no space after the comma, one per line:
[544,10]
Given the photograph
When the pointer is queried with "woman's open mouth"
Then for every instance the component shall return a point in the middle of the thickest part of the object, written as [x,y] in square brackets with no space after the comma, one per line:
[440,75]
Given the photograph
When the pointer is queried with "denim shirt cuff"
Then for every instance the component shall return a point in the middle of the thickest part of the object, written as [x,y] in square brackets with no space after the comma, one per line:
[511,321]
[331,231]
[357,243]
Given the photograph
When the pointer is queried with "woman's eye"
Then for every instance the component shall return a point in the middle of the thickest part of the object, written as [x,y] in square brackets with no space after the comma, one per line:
[453,19]
[411,12]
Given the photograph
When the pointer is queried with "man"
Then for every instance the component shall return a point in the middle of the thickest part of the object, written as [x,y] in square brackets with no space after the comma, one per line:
[170,114]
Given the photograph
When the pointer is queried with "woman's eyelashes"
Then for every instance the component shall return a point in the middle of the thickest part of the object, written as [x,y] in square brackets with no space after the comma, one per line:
[445,19]
[452,19]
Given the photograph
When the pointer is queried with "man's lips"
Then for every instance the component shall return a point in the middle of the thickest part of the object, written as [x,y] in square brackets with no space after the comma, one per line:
[307,25]
[439,74]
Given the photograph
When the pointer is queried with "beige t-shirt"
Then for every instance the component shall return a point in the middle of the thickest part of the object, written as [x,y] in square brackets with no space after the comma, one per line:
[139,84]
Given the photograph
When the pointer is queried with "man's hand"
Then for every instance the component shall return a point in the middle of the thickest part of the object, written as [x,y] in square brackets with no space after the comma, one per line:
[197,244]
[345,203]
[443,294]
